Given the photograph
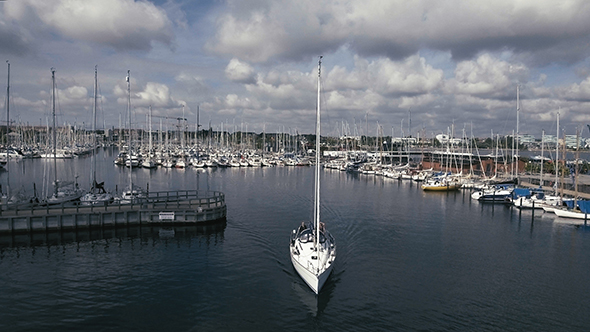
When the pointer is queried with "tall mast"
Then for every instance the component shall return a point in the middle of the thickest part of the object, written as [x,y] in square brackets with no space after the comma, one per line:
[183,124]
[576,167]
[557,155]
[54,133]
[160,137]
[150,133]
[542,157]
[410,124]
[94,128]
[198,125]
[7,131]
[129,152]
[120,132]
[517,123]
[317,163]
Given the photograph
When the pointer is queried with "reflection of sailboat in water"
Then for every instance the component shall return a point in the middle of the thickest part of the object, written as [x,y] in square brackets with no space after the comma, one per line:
[312,247]
[133,193]
[63,191]
[97,194]
[315,303]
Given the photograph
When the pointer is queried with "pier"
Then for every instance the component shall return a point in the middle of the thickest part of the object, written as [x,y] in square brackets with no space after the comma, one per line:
[184,207]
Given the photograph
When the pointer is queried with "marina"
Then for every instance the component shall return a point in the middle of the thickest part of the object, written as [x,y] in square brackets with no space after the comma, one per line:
[428,261]
[182,166]
[440,240]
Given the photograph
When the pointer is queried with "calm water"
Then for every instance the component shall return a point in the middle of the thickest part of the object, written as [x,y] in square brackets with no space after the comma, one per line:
[407,260]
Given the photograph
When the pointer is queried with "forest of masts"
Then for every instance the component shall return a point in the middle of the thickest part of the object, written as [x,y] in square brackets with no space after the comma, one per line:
[40,138]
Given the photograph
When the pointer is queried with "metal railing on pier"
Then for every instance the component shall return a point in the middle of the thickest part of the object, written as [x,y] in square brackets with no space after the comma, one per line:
[163,207]
[197,198]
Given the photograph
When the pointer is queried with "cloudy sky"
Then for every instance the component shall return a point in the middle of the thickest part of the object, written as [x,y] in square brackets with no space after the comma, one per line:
[253,63]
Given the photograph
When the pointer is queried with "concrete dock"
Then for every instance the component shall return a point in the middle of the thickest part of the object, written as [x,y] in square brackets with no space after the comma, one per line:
[188,207]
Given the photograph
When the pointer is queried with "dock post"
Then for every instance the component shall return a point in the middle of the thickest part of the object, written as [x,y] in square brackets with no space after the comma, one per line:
[533,218]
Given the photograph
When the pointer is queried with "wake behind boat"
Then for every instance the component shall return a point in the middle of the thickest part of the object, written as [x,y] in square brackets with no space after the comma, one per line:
[312,247]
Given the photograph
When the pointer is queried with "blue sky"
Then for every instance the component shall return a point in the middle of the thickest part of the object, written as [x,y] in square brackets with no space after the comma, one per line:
[253,63]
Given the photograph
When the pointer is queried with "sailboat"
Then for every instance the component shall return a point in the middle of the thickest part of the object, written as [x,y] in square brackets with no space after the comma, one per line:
[11,198]
[97,194]
[312,247]
[133,193]
[149,162]
[67,191]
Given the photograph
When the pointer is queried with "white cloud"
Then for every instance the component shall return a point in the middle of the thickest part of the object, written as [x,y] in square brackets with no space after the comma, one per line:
[233,101]
[153,94]
[264,30]
[446,60]
[240,72]
[410,76]
[29,104]
[122,24]
[70,96]
[577,91]
[187,78]
[486,76]
[417,101]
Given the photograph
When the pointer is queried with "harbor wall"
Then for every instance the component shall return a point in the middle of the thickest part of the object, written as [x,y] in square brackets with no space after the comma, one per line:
[167,210]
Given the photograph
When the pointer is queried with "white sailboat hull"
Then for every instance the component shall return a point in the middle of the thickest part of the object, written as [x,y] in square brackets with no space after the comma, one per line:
[570,214]
[314,266]
[313,280]
[64,196]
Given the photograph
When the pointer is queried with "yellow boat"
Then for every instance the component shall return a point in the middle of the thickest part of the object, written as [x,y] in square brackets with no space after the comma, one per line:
[441,185]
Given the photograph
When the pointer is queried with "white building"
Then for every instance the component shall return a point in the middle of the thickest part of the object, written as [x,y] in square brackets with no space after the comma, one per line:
[445,139]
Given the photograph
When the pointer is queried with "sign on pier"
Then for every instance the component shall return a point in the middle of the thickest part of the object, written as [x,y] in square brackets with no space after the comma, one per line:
[166,215]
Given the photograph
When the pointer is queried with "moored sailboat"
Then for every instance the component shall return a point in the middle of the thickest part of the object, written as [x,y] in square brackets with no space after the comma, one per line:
[312,248]
[97,195]
[442,184]
[63,191]
[133,193]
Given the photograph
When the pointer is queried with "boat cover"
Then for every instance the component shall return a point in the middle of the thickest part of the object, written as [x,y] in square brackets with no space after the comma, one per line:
[521,192]
[584,206]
